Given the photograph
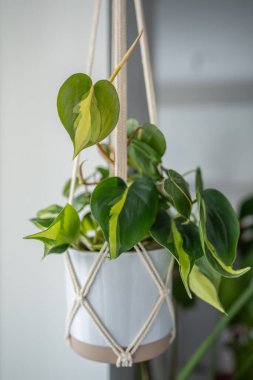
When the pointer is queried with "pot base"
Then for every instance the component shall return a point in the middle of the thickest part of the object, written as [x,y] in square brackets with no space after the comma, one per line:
[106,355]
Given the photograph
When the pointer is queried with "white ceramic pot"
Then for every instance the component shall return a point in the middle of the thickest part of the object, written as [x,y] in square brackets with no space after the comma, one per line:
[122,295]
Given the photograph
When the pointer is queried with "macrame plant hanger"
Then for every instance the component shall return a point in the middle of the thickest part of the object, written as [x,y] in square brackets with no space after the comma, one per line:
[124,356]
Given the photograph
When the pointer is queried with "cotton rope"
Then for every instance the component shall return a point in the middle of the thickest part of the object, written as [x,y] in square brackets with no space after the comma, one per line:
[145,57]
[119,139]
[124,356]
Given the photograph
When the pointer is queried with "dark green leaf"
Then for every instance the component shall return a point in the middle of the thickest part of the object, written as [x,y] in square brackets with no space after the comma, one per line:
[198,181]
[246,208]
[125,214]
[219,231]
[146,148]
[178,191]
[161,230]
[143,158]
[181,238]
[187,247]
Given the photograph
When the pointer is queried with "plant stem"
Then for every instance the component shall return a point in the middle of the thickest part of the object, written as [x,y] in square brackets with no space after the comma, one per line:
[132,135]
[125,58]
[104,153]
[213,336]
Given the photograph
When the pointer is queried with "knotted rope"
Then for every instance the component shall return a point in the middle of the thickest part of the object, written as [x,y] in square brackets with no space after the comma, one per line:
[124,356]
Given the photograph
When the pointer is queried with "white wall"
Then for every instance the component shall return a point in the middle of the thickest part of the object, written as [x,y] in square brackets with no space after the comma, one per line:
[42,43]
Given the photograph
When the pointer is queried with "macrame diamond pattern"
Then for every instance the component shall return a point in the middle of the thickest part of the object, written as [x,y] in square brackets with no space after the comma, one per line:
[124,356]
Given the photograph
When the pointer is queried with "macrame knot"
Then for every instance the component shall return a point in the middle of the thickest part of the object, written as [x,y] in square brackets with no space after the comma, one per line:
[80,297]
[124,360]
[164,292]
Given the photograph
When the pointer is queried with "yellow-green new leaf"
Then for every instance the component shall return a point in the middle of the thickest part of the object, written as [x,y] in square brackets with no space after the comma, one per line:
[205,282]
[64,231]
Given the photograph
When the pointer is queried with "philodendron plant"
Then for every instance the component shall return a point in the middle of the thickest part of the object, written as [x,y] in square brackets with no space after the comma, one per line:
[155,206]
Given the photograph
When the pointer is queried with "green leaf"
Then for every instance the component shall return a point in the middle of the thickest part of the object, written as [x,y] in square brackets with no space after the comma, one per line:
[125,214]
[104,172]
[187,246]
[219,232]
[132,125]
[80,201]
[181,238]
[205,283]
[161,231]
[146,148]
[246,208]
[198,181]
[66,188]
[143,158]
[62,232]
[46,216]
[88,224]
[88,112]
[178,191]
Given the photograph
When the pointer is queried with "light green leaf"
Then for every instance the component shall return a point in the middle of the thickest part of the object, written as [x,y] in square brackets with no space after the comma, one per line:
[125,214]
[219,232]
[61,233]
[46,216]
[132,125]
[205,283]
[178,191]
[88,112]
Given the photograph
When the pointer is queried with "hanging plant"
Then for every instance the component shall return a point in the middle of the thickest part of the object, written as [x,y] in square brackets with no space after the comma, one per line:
[153,210]
[155,206]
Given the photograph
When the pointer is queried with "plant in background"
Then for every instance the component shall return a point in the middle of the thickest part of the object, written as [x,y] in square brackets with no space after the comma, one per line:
[155,206]
[240,328]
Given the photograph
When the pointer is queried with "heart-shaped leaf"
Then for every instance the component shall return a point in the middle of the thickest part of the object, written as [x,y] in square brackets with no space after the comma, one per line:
[178,191]
[181,238]
[205,283]
[187,247]
[88,112]
[124,213]
[64,230]
[219,231]
[161,231]
[146,148]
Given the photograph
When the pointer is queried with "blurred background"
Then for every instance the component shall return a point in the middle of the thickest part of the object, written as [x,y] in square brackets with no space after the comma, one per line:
[202,57]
